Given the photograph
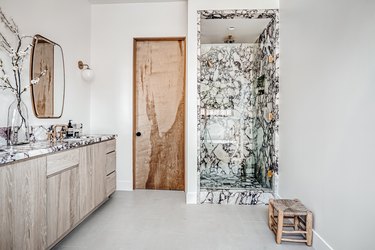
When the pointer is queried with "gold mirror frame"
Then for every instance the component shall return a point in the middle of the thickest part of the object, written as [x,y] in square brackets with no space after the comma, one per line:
[33,76]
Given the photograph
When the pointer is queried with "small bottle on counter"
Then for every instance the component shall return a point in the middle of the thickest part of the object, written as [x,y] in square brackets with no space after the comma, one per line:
[70,132]
[80,129]
[76,130]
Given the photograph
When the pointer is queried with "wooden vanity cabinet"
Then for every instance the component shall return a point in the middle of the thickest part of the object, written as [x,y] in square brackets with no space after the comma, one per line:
[23,188]
[43,199]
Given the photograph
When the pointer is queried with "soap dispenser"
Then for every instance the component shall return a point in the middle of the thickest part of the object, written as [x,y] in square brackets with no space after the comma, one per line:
[70,130]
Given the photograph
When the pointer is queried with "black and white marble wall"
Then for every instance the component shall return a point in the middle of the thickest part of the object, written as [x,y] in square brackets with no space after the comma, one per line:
[267,106]
[227,115]
[238,114]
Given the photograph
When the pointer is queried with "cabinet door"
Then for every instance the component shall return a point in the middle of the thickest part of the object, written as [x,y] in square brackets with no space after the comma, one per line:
[23,205]
[86,170]
[99,187]
[92,173]
[62,203]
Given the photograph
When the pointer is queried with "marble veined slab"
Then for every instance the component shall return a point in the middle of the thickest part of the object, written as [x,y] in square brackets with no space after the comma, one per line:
[10,154]
[235,197]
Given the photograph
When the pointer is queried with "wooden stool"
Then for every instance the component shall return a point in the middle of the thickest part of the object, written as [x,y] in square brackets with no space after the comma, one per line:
[285,214]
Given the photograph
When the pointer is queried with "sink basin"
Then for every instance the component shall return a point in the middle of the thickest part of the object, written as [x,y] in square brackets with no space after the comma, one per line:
[82,138]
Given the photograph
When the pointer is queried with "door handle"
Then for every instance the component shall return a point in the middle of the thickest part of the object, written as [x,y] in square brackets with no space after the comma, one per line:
[138,134]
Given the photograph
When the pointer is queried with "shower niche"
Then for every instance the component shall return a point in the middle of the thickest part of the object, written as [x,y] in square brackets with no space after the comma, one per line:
[238,86]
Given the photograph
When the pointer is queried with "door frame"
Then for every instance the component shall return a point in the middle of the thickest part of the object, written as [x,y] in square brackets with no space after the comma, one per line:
[154,39]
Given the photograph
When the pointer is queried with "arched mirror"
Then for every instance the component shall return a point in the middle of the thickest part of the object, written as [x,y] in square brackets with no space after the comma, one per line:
[47,74]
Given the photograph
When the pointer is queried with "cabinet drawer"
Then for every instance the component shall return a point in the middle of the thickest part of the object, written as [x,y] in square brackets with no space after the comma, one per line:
[111,146]
[110,163]
[111,184]
[59,162]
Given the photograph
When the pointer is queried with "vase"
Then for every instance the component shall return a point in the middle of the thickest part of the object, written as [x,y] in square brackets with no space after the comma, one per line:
[18,123]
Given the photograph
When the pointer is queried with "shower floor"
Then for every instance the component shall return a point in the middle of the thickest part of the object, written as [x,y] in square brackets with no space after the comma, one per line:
[228,182]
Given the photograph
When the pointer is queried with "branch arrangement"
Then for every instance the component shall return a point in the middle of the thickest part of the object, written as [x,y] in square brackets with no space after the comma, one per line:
[17,52]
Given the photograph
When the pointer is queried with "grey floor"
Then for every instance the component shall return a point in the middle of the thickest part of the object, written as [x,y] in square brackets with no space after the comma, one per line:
[162,220]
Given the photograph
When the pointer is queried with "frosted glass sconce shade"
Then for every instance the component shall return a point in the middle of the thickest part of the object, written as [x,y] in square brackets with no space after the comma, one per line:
[86,73]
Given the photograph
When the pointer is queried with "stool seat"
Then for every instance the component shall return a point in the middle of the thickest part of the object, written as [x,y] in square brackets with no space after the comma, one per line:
[290,207]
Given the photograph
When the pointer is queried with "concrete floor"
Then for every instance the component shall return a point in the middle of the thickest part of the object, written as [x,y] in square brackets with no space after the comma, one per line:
[162,220]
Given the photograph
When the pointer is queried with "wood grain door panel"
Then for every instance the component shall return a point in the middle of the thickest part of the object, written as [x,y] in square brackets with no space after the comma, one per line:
[159,79]
[23,214]
[62,203]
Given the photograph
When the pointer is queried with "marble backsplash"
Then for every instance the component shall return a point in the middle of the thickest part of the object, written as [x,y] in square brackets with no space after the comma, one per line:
[37,133]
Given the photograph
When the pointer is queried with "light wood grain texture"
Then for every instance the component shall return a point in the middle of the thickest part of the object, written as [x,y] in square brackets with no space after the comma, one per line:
[110,163]
[62,203]
[23,205]
[60,161]
[309,221]
[43,92]
[86,171]
[99,173]
[92,173]
[280,223]
[159,113]
[111,183]
[111,146]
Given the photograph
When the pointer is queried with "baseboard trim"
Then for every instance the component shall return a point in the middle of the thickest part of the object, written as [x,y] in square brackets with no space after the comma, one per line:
[318,242]
[191,198]
[124,186]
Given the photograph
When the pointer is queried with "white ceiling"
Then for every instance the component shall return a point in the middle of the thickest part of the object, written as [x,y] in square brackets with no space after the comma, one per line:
[131,1]
[246,30]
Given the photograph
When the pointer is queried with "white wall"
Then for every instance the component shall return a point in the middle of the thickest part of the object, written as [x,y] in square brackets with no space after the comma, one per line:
[327,116]
[113,29]
[67,23]
[192,140]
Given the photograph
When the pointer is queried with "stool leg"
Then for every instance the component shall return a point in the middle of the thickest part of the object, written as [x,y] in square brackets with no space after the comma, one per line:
[280,223]
[270,214]
[309,219]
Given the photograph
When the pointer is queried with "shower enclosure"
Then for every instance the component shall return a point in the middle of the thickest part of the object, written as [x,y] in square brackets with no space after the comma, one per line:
[238,101]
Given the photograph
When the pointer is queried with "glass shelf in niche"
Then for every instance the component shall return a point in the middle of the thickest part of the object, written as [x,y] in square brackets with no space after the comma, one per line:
[216,112]
[223,141]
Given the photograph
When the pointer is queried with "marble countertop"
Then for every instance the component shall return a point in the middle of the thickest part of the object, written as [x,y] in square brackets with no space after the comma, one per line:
[10,154]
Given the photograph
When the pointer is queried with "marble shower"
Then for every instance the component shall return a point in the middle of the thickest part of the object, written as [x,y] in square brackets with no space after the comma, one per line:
[238,114]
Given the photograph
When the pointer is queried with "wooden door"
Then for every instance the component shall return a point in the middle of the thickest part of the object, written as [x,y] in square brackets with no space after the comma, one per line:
[159,113]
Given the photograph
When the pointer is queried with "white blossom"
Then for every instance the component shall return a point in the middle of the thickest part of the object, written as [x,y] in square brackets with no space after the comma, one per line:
[35,81]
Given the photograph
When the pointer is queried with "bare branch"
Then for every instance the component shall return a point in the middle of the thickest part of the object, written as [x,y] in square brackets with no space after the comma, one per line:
[4,40]
[8,23]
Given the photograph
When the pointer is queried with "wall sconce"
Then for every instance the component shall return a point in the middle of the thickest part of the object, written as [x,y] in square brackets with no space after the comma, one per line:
[86,73]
